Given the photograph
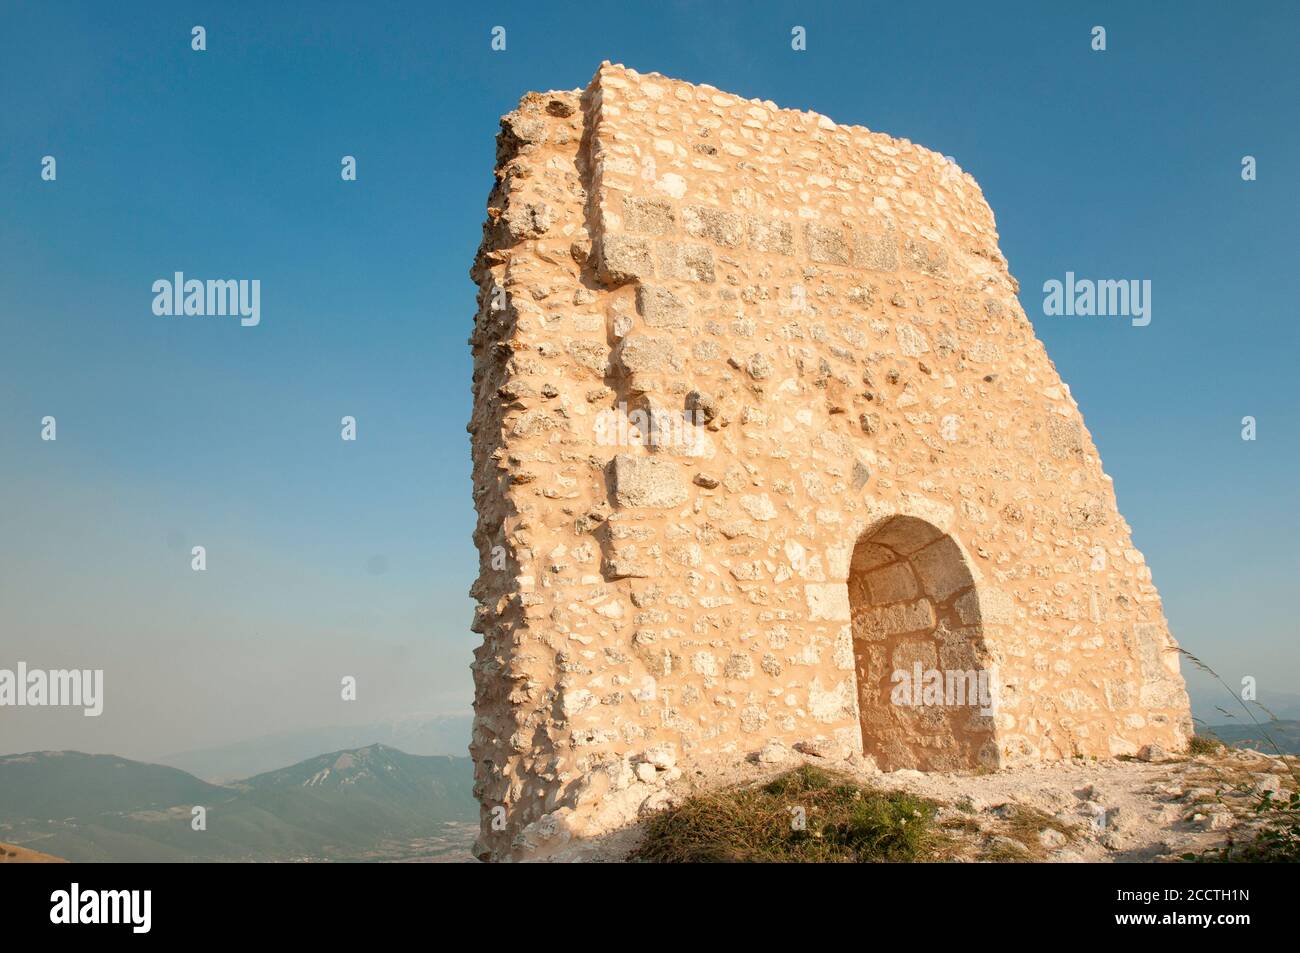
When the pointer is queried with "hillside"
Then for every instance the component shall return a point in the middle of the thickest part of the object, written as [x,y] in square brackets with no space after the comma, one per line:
[1210,703]
[414,734]
[13,854]
[1283,733]
[49,784]
[365,804]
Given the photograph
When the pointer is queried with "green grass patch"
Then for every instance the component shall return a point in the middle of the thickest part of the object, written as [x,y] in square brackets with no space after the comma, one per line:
[804,816]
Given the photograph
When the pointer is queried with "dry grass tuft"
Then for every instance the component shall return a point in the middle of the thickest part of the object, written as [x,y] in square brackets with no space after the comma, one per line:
[804,816]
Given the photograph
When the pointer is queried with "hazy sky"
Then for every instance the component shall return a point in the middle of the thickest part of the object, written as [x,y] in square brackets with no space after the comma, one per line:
[328,558]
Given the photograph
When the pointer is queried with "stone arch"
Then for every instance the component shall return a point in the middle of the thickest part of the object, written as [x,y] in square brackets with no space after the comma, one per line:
[926,682]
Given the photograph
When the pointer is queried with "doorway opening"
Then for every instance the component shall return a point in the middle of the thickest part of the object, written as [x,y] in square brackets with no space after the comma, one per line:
[926,685]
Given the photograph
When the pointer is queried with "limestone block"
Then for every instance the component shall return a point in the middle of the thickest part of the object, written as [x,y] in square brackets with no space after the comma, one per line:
[647,481]
[660,308]
[870,555]
[827,244]
[909,652]
[925,257]
[876,251]
[881,622]
[648,216]
[758,507]
[827,706]
[716,225]
[639,353]
[624,258]
[679,262]
[770,235]
[829,601]
[894,583]
[906,535]
[941,568]
[911,341]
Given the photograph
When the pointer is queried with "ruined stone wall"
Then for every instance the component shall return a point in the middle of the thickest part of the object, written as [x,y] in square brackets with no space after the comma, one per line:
[759,423]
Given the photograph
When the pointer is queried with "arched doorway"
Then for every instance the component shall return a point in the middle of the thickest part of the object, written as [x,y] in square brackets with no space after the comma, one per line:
[926,685]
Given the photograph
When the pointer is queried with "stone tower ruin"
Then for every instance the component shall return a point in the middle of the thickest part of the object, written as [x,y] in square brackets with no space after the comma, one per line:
[766,450]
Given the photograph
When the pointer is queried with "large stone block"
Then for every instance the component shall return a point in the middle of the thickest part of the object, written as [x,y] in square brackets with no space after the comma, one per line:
[648,216]
[925,257]
[942,569]
[714,224]
[827,601]
[892,584]
[879,622]
[660,308]
[640,353]
[827,244]
[624,259]
[876,251]
[906,535]
[678,262]
[770,235]
[908,652]
[647,482]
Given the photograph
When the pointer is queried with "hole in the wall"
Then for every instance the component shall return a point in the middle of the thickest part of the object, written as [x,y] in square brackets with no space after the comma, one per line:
[925,685]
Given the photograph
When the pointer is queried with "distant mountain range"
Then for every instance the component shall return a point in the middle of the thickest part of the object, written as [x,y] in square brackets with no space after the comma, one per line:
[1220,714]
[1214,704]
[1285,734]
[414,734]
[369,803]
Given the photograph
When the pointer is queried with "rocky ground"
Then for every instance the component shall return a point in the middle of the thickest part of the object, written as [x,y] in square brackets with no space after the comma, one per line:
[1062,812]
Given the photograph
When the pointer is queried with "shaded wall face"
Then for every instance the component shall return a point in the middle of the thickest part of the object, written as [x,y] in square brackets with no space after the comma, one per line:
[719,345]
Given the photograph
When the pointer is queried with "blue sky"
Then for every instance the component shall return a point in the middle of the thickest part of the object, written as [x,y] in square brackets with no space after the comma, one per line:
[328,558]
